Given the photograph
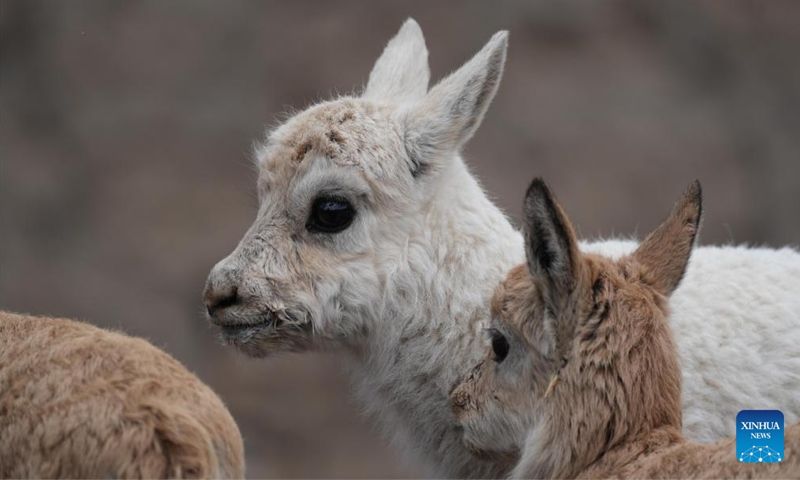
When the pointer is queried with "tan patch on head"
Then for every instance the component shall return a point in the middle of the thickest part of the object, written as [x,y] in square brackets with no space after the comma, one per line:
[301,151]
[319,131]
[340,130]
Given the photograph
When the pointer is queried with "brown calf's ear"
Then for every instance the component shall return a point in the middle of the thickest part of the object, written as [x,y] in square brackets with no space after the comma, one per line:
[666,251]
[550,243]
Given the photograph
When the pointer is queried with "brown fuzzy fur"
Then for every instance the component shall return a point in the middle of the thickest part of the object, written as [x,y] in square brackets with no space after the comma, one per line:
[591,385]
[77,401]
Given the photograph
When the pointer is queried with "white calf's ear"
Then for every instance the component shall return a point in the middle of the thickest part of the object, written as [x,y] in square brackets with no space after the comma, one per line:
[454,108]
[550,244]
[401,73]
[665,252]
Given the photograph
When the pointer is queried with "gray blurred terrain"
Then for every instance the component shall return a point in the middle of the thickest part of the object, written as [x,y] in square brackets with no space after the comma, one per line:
[125,174]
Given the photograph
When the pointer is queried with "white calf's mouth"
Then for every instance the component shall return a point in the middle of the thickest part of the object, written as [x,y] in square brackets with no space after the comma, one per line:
[262,333]
[244,328]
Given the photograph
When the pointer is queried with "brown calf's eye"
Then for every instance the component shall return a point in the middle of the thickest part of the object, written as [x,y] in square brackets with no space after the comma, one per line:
[499,345]
[330,214]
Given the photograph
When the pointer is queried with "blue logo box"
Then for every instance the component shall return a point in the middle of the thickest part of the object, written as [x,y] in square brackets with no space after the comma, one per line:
[759,436]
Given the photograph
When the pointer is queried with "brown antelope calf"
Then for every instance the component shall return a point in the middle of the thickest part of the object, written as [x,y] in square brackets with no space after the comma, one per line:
[77,401]
[582,378]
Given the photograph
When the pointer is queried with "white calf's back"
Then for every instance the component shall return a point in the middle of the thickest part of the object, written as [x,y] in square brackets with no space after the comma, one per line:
[77,401]
[737,322]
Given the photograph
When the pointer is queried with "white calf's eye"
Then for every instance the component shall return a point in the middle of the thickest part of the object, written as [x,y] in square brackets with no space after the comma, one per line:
[330,214]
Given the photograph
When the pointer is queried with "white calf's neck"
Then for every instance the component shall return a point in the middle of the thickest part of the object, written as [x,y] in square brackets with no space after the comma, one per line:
[435,305]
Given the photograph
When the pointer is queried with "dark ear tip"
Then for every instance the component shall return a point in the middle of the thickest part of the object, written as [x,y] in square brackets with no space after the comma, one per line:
[538,194]
[538,188]
[694,195]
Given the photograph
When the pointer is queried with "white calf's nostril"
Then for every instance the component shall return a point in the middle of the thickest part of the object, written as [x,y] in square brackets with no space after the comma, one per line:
[220,298]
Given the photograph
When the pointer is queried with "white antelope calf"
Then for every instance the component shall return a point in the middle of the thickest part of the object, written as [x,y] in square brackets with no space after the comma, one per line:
[373,238]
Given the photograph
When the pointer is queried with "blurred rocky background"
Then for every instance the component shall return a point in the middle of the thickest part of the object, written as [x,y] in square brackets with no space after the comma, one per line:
[126,128]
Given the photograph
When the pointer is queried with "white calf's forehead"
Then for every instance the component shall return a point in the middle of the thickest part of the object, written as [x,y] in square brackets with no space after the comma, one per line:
[350,132]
